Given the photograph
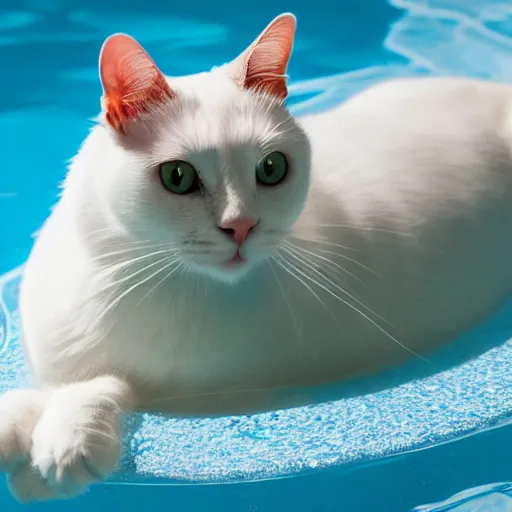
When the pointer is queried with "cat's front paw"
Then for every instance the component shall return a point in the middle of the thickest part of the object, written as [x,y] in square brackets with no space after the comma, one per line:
[74,444]
[71,453]
[20,410]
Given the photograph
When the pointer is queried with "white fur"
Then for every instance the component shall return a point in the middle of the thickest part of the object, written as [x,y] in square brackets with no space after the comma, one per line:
[73,442]
[403,243]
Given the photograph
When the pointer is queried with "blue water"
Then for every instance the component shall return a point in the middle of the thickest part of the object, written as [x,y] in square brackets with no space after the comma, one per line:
[49,89]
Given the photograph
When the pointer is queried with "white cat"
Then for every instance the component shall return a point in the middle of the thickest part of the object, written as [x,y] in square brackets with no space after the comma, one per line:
[209,250]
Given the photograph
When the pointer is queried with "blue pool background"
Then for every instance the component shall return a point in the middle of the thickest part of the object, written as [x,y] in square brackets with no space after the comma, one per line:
[49,89]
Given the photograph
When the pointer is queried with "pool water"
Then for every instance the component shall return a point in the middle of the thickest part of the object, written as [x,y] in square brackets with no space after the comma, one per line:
[49,90]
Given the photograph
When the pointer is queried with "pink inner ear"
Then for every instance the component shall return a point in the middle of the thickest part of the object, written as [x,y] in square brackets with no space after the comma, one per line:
[263,65]
[132,83]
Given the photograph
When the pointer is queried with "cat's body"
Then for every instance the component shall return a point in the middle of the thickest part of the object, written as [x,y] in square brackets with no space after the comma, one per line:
[424,203]
[401,244]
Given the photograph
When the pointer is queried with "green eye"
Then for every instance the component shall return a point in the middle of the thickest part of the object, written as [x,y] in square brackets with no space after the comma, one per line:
[272,169]
[179,177]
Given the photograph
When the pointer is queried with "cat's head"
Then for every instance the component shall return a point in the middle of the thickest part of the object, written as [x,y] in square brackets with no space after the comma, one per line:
[211,163]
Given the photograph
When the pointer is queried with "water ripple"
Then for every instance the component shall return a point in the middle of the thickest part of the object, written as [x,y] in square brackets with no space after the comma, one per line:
[486,498]
[454,36]
[8,307]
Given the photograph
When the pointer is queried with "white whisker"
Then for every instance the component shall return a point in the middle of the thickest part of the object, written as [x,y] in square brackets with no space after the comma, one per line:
[128,250]
[169,274]
[351,306]
[329,281]
[355,262]
[314,240]
[120,266]
[283,264]
[118,298]
[289,244]
[363,228]
[288,304]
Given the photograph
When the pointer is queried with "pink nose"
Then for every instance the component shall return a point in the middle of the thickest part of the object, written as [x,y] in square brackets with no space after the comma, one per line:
[239,229]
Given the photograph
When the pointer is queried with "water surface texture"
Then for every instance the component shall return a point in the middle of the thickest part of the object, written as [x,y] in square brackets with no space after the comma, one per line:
[49,91]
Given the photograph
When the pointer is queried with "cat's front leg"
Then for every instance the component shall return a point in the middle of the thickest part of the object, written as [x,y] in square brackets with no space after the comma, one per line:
[75,442]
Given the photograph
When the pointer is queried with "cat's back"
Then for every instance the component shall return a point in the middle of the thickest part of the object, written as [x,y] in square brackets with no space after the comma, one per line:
[423,142]
[416,174]
[411,112]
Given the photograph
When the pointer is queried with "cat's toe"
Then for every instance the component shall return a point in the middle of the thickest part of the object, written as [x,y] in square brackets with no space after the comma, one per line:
[19,412]
[26,484]
[70,460]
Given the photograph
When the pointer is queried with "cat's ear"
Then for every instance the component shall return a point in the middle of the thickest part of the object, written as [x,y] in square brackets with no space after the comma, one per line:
[262,67]
[132,83]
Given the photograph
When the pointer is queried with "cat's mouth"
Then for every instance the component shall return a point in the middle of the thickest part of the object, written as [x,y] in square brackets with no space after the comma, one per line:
[236,259]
